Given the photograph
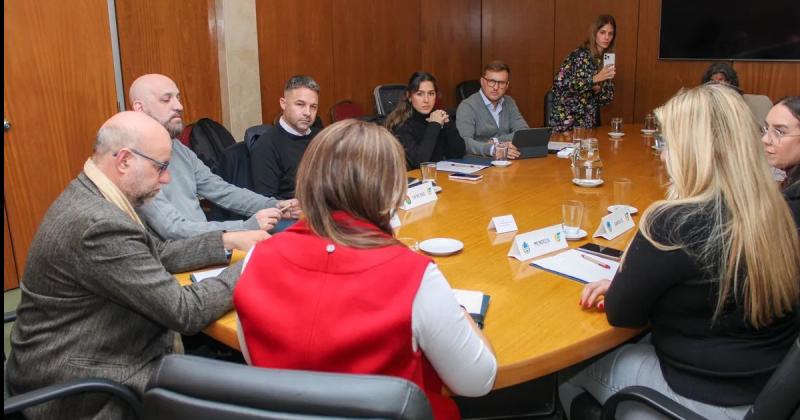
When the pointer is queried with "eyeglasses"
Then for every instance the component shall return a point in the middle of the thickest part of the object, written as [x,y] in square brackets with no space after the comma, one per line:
[160,165]
[493,83]
[774,135]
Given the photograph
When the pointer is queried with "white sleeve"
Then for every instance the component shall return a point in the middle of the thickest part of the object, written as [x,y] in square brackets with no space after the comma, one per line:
[440,328]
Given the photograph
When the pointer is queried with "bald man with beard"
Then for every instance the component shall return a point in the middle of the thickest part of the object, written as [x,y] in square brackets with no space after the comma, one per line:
[98,299]
[176,212]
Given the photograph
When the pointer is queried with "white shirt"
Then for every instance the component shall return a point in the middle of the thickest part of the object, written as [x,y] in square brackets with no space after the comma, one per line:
[291,130]
[494,110]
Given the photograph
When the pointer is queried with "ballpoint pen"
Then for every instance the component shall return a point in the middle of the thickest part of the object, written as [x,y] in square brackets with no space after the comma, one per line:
[594,260]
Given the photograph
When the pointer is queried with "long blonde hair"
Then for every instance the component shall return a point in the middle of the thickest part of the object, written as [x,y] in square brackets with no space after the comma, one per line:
[718,168]
[356,167]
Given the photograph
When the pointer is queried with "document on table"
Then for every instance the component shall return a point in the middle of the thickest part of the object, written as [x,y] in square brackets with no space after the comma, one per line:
[475,302]
[467,168]
[579,266]
[199,276]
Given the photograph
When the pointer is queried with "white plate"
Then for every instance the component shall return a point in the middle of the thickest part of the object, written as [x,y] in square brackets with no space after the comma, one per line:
[441,246]
[614,135]
[648,131]
[501,163]
[587,182]
[631,209]
[580,235]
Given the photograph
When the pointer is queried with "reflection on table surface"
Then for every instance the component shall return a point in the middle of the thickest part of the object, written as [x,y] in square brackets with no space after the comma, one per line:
[534,322]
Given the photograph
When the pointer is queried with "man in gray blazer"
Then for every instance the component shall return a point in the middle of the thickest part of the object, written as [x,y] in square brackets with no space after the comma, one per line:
[98,299]
[489,116]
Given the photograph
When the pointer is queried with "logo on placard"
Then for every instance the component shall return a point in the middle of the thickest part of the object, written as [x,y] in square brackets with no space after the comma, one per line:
[408,200]
[608,225]
[557,236]
[430,190]
[627,216]
[526,249]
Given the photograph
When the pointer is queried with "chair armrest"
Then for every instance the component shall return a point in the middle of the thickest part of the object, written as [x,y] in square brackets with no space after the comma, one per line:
[19,402]
[650,398]
[10,316]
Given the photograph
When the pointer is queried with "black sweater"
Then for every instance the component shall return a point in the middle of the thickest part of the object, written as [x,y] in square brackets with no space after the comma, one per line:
[426,141]
[274,159]
[723,363]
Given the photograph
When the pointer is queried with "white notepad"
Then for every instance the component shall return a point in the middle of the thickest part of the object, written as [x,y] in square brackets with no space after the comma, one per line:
[466,168]
[572,263]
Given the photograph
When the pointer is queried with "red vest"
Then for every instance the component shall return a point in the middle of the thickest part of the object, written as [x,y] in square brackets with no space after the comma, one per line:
[307,303]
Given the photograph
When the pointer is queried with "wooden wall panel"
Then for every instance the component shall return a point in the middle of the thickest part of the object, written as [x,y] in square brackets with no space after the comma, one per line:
[451,44]
[374,42]
[294,38]
[572,21]
[520,32]
[177,39]
[58,88]
[774,79]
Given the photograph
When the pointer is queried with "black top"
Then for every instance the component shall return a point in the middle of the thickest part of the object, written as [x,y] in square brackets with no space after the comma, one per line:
[724,363]
[274,159]
[428,141]
[791,191]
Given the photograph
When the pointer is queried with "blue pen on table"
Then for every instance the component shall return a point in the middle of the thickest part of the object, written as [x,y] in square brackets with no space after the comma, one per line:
[600,263]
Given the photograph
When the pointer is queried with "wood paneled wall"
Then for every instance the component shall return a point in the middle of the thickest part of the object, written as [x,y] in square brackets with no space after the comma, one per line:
[351,46]
[177,39]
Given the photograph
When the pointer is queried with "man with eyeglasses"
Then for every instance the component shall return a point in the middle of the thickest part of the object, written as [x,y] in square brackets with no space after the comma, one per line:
[490,117]
[98,299]
[176,212]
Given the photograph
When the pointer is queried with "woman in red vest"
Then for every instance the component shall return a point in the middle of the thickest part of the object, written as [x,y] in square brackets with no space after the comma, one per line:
[337,292]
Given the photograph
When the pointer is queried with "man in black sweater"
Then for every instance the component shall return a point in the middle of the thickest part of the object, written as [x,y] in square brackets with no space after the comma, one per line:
[276,154]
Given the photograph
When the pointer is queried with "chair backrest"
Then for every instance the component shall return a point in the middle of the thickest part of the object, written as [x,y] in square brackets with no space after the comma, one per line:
[208,140]
[387,97]
[466,88]
[345,109]
[780,398]
[759,104]
[189,387]
[549,100]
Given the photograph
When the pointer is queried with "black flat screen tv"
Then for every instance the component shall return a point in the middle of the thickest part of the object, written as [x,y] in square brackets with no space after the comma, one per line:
[730,30]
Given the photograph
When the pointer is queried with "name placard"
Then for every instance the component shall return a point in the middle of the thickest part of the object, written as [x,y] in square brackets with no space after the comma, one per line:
[419,195]
[614,224]
[538,242]
[503,224]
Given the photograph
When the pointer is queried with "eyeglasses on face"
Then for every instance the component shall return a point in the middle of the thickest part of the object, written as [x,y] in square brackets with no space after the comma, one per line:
[493,83]
[774,135]
[161,165]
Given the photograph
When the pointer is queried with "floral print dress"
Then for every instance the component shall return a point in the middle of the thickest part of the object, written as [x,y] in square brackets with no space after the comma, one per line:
[575,103]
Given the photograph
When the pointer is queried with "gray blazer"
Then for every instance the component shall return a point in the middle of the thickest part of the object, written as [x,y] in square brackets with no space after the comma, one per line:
[98,300]
[476,124]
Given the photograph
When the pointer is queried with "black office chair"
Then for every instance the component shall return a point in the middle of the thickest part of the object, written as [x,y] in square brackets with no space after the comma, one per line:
[189,387]
[549,100]
[387,97]
[780,398]
[466,88]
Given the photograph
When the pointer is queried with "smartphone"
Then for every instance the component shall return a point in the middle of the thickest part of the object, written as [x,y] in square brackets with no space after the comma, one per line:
[465,177]
[609,59]
[601,251]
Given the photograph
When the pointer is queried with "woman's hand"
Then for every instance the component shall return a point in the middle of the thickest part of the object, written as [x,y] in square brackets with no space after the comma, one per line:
[439,116]
[592,294]
[606,73]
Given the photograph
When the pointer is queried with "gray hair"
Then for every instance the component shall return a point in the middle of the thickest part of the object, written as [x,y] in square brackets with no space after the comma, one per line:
[110,138]
[301,81]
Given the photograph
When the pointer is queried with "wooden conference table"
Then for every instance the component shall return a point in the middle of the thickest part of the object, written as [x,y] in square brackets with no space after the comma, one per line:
[534,321]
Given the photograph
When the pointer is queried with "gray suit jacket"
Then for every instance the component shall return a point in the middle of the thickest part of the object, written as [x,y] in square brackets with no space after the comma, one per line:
[98,300]
[476,124]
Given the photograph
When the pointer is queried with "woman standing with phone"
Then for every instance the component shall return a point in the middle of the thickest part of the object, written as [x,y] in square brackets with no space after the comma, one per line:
[584,82]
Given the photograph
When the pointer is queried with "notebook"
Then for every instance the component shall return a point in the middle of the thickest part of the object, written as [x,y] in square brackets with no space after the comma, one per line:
[575,265]
[475,302]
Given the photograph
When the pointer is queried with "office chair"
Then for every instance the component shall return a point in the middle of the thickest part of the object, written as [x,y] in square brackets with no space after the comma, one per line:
[345,109]
[759,104]
[780,398]
[189,387]
[466,88]
[549,100]
[387,97]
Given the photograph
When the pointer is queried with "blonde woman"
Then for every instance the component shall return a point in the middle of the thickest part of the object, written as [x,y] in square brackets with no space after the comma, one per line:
[714,269]
[337,292]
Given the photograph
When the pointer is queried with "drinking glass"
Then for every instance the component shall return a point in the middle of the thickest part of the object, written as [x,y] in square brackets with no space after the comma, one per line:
[571,217]
[589,150]
[622,191]
[650,123]
[428,170]
[578,134]
[501,151]
[616,125]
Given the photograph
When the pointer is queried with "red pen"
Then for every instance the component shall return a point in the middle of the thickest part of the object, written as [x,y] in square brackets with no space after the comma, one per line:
[600,263]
